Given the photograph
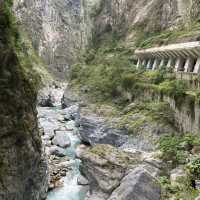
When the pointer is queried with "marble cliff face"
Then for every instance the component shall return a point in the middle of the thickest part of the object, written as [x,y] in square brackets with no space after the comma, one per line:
[60,30]
[57,29]
[132,17]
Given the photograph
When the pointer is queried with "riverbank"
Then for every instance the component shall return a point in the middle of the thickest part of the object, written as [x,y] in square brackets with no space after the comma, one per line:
[60,139]
[143,131]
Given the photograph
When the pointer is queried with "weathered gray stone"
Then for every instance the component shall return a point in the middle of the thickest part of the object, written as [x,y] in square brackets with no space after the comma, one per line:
[61,139]
[72,113]
[104,166]
[47,101]
[55,150]
[137,185]
[119,175]
[82,180]
[53,27]
[69,99]
[96,130]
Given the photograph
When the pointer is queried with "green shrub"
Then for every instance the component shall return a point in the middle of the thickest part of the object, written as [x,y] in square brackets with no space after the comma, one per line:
[194,168]
[177,148]
[166,37]
[175,88]
[8,29]
[128,80]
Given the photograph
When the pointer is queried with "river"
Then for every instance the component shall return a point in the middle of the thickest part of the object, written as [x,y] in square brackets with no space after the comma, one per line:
[50,118]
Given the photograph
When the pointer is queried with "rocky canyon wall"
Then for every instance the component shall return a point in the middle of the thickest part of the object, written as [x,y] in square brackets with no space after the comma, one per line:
[23,170]
[61,30]
[58,29]
[131,18]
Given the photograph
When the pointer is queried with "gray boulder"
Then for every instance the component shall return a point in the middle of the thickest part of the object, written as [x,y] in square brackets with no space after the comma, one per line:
[82,180]
[69,99]
[118,175]
[137,185]
[46,100]
[96,130]
[61,139]
[55,150]
[71,113]
[104,166]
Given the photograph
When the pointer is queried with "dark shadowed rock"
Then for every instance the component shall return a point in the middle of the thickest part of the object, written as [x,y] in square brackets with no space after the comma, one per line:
[46,100]
[96,130]
[55,150]
[69,99]
[71,113]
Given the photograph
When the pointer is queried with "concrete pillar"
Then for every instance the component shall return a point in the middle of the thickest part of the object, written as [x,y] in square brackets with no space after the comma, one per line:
[197,66]
[179,64]
[144,63]
[189,65]
[149,64]
[170,63]
[156,64]
[162,63]
[139,63]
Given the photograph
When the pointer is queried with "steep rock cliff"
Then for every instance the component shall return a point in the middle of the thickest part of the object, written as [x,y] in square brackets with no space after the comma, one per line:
[22,166]
[58,29]
[133,18]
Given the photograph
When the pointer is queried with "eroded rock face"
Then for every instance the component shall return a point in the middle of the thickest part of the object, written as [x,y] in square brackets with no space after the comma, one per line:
[23,169]
[96,130]
[115,174]
[137,185]
[57,29]
[132,17]
[61,139]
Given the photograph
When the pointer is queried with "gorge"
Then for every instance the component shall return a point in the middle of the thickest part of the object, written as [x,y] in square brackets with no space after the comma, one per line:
[99,99]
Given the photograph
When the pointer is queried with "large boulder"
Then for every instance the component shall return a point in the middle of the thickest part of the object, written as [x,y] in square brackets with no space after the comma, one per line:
[46,99]
[81,180]
[104,166]
[96,130]
[137,185]
[51,95]
[61,139]
[55,150]
[69,99]
[114,174]
[71,113]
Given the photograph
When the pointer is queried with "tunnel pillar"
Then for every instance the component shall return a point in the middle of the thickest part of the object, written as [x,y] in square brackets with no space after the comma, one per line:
[189,65]
[179,64]
[197,66]
[149,64]
[139,63]
[156,64]
[162,63]
[144,63]
[170,63]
